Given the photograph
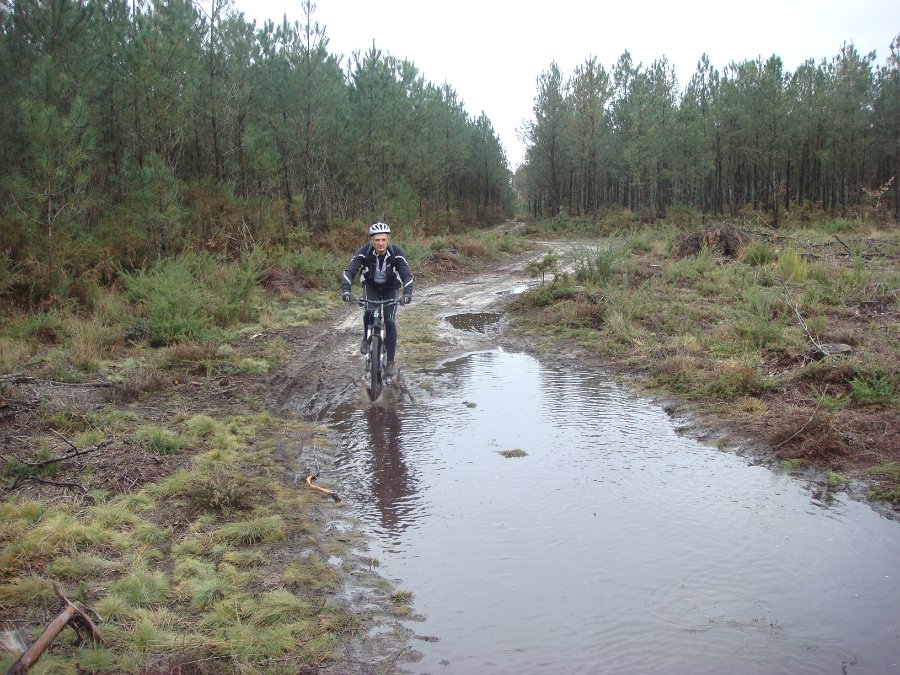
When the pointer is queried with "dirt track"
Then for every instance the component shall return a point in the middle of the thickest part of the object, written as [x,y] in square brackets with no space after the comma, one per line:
[326,367]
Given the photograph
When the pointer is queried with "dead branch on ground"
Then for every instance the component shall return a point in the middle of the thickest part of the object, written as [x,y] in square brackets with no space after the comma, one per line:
[18,378]
[78,453]
[72,613]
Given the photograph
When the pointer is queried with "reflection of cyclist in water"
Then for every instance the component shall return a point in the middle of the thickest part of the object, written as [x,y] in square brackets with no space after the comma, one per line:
[392,483]
[383,273]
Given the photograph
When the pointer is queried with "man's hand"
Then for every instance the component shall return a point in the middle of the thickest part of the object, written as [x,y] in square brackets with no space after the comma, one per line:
[346,296]
[406,299]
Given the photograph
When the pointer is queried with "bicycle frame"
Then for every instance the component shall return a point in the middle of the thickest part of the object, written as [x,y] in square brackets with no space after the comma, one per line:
[375,352]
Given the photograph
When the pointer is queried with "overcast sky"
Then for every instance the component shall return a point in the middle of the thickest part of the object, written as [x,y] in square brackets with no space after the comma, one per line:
[491,52]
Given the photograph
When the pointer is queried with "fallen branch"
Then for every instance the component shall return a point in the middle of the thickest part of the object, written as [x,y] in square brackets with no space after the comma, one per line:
[813,340]
[65,440]
[309,482]
[800,430]
[77,453]
[17,378]
[849,250]
[72,613]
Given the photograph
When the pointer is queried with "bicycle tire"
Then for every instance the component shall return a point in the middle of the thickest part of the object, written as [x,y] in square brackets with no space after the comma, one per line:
[375,367]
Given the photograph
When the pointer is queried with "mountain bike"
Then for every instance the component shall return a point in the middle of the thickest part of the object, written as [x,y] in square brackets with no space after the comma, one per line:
[376,354]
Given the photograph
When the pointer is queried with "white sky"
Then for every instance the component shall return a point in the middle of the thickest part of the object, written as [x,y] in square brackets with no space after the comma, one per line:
[491,52]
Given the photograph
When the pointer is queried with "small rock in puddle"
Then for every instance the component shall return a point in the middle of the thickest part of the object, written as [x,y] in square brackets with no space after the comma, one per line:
[513,453]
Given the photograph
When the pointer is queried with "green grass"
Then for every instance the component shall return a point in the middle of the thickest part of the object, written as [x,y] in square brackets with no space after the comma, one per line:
[159,440]
[278,608]
[247,532]
[312,573]
[142,586]
[28,591]
[82,566]
[760,254]
[791,266]
[834,479]
[598,265]
[887,487]
[873,386]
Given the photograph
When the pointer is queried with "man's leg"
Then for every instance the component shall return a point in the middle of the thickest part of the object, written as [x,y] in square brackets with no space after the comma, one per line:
[390,324]
[369,293]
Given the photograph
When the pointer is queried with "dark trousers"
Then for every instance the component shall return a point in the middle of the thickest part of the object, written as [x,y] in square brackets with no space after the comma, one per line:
[376,292]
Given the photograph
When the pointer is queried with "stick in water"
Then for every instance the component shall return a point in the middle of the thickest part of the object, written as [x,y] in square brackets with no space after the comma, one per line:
[333,495]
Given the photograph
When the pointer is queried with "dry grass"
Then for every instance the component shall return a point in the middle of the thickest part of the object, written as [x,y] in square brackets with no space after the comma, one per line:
[13,354]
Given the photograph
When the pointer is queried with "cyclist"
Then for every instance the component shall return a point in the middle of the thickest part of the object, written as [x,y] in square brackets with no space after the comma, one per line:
[384,274]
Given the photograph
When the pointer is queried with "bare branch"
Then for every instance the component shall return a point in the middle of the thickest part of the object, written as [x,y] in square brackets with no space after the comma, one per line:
[813,340]
[65,440]
[77,453]
[17,378]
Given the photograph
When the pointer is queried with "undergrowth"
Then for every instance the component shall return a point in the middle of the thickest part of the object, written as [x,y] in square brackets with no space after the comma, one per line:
[217,588]
[738,332]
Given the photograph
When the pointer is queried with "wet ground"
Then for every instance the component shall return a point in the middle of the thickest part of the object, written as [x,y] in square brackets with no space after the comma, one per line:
[608,542]
[548,520]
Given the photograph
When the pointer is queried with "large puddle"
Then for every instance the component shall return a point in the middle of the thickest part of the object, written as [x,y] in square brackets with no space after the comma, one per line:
[614,545]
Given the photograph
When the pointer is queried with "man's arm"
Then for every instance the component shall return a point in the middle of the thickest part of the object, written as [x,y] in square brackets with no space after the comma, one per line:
[402,265]
[356,263]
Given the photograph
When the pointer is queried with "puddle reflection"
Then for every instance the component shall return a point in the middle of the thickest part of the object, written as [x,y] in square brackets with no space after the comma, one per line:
[392,482]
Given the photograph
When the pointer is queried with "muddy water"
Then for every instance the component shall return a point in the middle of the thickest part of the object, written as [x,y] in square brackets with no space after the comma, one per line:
[613,544]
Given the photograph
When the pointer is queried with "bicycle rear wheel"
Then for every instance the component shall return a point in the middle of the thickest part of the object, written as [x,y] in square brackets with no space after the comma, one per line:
[375,367]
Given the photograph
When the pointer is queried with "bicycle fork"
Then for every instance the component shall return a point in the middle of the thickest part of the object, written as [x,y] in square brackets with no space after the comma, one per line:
[374,329]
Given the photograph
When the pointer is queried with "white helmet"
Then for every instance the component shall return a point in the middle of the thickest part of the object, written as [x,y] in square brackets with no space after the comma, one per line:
[379,228]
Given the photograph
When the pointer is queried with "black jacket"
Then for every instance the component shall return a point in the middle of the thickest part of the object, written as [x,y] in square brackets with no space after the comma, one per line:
[364,262]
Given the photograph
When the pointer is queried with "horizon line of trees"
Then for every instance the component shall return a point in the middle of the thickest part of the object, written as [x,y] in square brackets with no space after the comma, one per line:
[826,136]
[166,121]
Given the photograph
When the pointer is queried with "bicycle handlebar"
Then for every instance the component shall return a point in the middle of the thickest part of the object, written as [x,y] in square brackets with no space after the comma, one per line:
[362,302]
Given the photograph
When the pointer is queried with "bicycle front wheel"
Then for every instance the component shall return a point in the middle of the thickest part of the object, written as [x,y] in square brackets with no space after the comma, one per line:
[375,367]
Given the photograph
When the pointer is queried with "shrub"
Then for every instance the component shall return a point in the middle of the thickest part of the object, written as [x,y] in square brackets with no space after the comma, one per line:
[792,266]
[838,225]
[759,254]
[235,285]
[597,265]
[542,268]
[873,386]
[176,305]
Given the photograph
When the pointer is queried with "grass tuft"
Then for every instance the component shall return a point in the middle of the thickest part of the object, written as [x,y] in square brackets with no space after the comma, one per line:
[31,590]
[82,566]
[278,608]
[96,659]
[312,573]
[159,440]
[141,587]
[247,532]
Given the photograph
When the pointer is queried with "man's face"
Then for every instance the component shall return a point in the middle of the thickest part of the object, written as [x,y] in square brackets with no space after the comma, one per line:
[380,242]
